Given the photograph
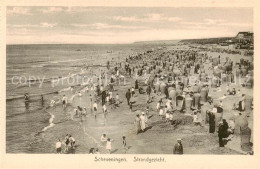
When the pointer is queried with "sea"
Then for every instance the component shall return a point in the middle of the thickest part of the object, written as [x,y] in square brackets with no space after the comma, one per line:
[43,71]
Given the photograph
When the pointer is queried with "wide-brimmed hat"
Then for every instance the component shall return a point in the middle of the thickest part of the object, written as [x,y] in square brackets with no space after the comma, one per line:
[214,110]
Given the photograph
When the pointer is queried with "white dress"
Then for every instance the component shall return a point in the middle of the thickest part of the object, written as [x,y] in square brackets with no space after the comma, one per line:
[143,121]
[171,116]
[167,115]
[158,106]
[108,147]
[161,112]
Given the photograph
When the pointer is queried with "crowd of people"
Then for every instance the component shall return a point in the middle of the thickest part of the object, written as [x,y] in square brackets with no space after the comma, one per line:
[181,81]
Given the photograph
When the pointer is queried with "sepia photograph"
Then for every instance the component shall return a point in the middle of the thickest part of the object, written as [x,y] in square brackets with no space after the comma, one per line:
[129,80]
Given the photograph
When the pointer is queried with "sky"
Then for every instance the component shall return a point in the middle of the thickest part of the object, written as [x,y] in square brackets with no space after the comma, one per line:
[109,25]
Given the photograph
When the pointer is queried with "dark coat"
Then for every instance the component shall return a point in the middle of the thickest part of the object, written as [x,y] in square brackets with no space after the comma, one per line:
[178,148]
[211,122]
[128,95]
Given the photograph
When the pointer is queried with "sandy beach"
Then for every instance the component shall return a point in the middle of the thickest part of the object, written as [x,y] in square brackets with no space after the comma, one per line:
[159,137]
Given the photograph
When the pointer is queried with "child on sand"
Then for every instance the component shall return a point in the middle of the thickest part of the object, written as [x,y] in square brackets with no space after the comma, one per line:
[58,147]
[109,145]
[97,151]
[72,141]
[124,144]
[161,112]
[67,141]
[167,115]
[117,100]
[75,112]
[84,113]
[103,139]
[110,97]
[105,110]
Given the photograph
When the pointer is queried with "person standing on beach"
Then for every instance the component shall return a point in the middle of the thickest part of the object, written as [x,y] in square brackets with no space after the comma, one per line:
[64,101]
[178,148]
[136,84]
[130,71]
[137,124]
[105,111]
[91,100]
[132,91]
[104,94]
[72,141]
[58,147]
[212,125]
[117,100]
[110,93]
[143,119]
[95,109]
[124,144]
[128,96]
[109,145]
[75,113]
[42,100]
[148,90]
[103,139]
[221,134]
[67,141]
[84,114]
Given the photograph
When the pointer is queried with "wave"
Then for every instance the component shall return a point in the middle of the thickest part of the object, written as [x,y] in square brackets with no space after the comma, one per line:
[38,61]
[35,66]
[65,89]
[25,112]
[51,124]
[38,95]
[31,95]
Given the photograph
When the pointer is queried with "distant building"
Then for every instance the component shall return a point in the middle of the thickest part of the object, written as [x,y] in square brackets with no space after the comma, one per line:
[244,40]
[245,36]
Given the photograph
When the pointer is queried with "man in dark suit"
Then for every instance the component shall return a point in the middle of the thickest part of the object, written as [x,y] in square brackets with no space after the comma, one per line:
[104,95]
[178,148]
[128,96]
[221,133]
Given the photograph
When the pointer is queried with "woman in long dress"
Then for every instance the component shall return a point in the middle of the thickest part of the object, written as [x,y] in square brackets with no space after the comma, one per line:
[137,123]
[242,103]
[136,84]
[211,122]
[159,105]
[143,121]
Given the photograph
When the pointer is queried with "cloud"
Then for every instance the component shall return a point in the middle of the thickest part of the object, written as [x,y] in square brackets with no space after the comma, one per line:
[52,10]
[130,19]
[18,11]
[41,25]
[47,25]
[106,26]
[213,21]
[161,17]
[73,9]
[153,17]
